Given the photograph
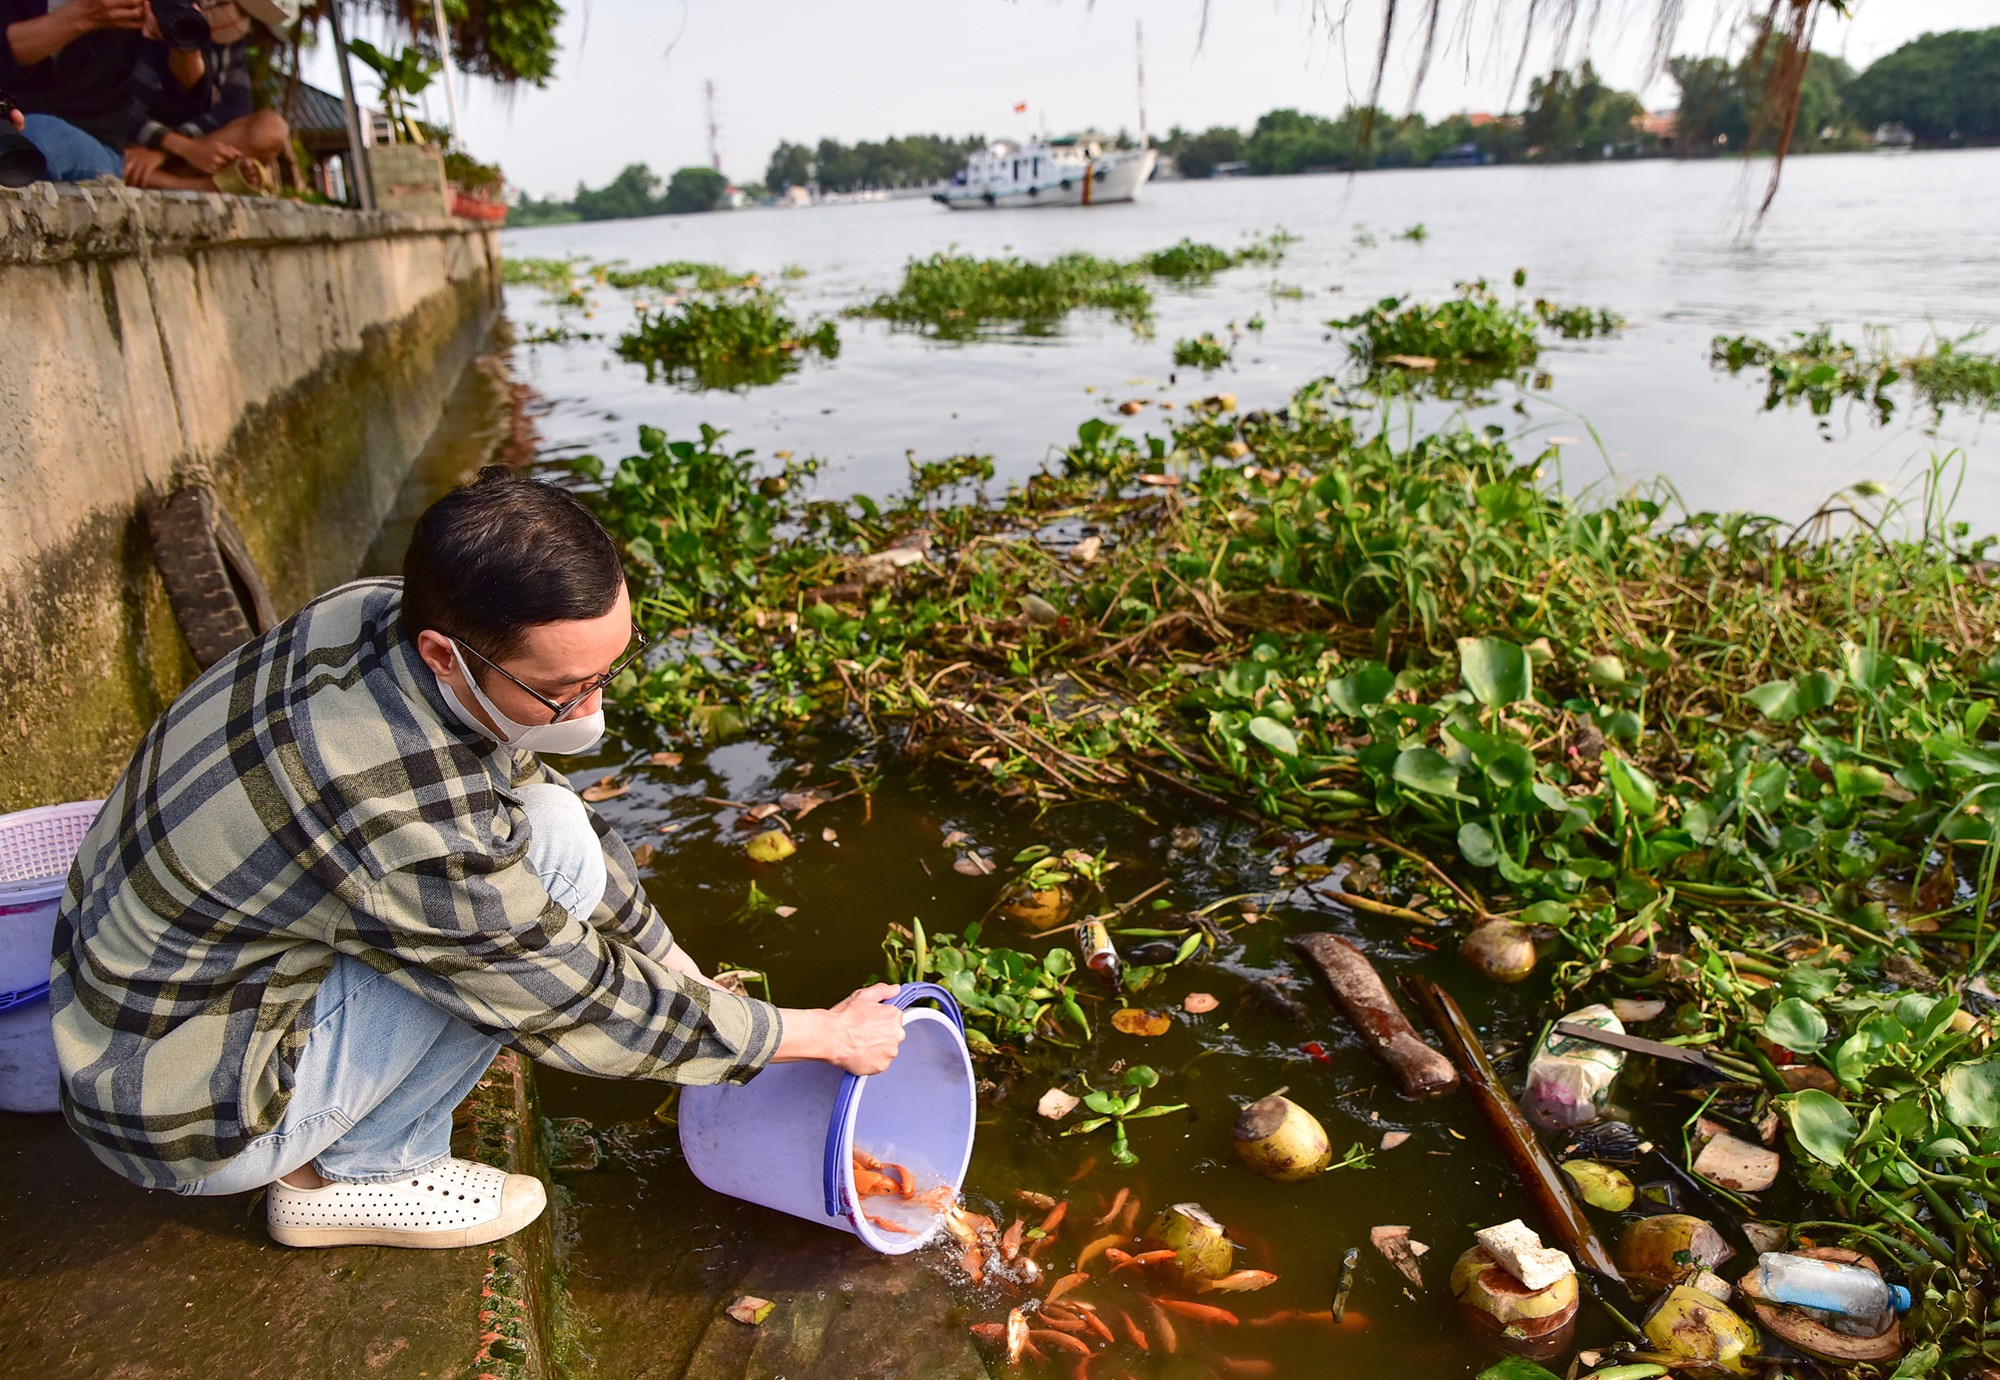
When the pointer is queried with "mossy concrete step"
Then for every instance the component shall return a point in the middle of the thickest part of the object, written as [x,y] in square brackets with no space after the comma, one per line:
[652,1259]
[101,1279]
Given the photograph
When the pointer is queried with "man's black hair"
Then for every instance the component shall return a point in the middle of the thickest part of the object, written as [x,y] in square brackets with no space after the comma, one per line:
[500,555]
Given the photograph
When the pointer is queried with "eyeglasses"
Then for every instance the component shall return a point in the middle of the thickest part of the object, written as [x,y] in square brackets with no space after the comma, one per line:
[559,710]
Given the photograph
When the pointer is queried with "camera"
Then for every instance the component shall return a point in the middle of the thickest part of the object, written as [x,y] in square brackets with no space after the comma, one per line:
[20,161]
[182,24]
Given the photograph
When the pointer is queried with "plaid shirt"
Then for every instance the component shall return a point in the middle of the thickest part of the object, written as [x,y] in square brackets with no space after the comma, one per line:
[311,794]
[161,106]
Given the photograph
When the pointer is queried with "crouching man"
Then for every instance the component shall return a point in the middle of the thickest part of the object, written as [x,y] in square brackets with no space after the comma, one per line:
[336,877]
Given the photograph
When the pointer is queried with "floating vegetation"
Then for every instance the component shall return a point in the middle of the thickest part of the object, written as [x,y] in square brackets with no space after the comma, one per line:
[1416,234]
[1739,767]
[1818,370]
[555,335]
[1204,352]
[566,281]
[1188,260]
[929,478]
[1577,323]
[1464,343]
[959,297]
[736,340]
[1191,259]
[678,274]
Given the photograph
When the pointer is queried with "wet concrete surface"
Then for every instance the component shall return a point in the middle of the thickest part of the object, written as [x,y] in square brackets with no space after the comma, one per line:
[653,1259]
[101,1280]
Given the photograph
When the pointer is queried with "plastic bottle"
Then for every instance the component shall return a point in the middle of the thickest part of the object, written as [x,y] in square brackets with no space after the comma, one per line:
[1100,955]
[1852,1294]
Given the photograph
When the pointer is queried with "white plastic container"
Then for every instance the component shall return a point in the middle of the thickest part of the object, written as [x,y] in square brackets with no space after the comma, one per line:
[36,850]
[786,1139]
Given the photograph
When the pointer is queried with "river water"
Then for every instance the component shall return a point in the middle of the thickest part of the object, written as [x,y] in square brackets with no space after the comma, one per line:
[1902,242]
[1899,241]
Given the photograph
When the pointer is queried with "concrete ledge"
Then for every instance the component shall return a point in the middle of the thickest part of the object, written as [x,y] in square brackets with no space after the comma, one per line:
[104,1281]
[47,223]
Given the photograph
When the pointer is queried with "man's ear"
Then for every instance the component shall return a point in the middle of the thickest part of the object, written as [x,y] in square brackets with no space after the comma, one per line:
[435,649]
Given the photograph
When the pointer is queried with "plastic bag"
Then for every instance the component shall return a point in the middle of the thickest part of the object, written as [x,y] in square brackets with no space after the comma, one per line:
[1568,1078]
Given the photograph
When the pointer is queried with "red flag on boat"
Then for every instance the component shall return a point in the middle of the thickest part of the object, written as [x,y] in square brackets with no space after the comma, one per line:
[1020,107]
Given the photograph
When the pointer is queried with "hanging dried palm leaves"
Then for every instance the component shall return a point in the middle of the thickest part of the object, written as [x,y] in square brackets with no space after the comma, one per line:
[1780,45]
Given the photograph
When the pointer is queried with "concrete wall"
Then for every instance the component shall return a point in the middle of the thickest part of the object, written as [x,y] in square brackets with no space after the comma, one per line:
[295,359]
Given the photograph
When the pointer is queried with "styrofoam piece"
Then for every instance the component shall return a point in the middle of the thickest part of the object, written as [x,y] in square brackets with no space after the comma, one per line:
[1521,1254]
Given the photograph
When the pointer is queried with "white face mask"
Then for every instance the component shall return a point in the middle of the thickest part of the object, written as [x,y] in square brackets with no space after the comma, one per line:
[565,738]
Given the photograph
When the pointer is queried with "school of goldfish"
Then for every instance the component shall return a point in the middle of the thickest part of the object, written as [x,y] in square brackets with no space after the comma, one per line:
[1136,1301]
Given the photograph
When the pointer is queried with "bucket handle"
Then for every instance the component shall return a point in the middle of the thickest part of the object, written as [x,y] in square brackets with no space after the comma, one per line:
[850,1088]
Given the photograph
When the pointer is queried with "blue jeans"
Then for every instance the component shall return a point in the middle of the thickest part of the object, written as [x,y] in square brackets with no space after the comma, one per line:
[383,1069]
[73,155]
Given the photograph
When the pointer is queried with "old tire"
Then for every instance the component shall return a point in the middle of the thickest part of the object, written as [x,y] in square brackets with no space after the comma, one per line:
[217,594]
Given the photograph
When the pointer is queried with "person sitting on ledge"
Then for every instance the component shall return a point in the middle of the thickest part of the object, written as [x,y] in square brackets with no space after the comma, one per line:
[337,877]
[69,67]
[197,126]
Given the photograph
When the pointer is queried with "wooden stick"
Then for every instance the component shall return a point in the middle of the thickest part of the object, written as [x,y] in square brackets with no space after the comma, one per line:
[1421,1070]
[1531,1163]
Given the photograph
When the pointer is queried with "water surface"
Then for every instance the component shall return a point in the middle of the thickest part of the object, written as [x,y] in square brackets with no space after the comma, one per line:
[1902,241]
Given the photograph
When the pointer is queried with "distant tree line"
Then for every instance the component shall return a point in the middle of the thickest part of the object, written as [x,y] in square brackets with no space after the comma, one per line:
[1944,88]
[915,160]
[637,191]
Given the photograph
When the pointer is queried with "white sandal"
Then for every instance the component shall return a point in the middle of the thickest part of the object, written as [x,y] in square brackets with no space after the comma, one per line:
[453,1203]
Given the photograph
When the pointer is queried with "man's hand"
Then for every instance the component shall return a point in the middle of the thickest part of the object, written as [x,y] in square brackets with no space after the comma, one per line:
[860,1035]
[38,40]
[106,14]
[204,155]
[18,120]
[141,163]
[867,1033]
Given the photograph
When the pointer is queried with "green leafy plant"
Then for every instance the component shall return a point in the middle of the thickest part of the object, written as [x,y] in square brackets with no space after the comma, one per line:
[1005,995]
[566,281]
[1203,351]
[1577,323]
[957,297]
[728,341]
[676,274]
[1115,1108]
[403,76]
[1818,370]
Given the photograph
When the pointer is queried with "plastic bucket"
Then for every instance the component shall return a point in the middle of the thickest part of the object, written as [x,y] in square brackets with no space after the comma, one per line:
[36,850]
[786,1138]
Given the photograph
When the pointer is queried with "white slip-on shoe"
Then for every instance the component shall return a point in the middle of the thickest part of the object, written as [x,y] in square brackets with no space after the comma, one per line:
[453,1203]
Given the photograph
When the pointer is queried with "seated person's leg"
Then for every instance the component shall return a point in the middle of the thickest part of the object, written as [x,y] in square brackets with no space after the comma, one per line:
[73,155]
[260,134]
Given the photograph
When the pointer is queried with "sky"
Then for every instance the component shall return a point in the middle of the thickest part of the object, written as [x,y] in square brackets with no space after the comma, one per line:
[629,84]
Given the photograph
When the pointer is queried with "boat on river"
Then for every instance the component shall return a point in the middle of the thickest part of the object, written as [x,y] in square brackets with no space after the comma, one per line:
[1048,172]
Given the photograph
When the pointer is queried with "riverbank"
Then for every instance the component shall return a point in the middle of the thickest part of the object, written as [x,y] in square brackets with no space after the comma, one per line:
[1704,763]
